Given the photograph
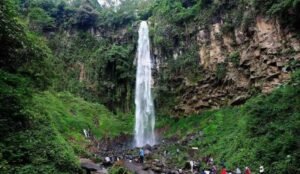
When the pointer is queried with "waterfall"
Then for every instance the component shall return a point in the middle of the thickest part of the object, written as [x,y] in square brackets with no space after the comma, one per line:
[144,111]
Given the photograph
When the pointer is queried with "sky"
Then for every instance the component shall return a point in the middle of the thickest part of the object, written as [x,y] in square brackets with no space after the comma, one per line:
[109,3]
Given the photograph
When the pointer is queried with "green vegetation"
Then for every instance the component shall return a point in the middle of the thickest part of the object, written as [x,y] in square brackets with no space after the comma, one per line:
[42,132]
[221,71]
[234,57]
[39,132]
[227,28]
[86,62]
[56,58]
[286,10]
[30,143]
[40,20]
[118,170]
[264,131]
[71,115]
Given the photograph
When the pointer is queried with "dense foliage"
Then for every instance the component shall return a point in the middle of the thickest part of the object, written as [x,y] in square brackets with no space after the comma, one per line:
[42,132]
[81,34]
[78,49]
[264,131]
[29,141]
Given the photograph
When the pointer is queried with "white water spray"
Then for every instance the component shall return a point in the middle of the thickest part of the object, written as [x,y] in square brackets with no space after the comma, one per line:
[144,111]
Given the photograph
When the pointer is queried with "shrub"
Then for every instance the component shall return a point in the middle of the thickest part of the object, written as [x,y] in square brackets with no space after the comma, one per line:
[221,70]
[227,28]
[40,20]
[234,57]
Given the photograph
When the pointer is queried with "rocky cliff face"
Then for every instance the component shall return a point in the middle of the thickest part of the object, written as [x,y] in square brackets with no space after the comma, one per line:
[257,59]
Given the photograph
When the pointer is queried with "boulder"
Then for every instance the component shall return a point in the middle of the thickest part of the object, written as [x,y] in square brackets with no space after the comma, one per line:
[157,169]
[147,147]
[89,166]
[239,100]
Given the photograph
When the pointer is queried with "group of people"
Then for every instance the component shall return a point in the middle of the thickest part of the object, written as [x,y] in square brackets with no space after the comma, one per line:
[213,170]
[247,170]
[236,171]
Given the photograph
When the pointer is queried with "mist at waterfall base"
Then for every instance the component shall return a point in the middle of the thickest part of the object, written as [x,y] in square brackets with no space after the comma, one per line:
[144,111]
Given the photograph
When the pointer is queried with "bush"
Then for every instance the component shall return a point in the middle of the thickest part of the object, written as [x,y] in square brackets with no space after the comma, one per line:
[221,70]
[29,142]
[86,18]
[234,57]
[227,28]
[285,10]
[40,20]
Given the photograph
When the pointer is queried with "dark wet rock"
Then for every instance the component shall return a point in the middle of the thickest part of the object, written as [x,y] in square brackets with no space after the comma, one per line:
[184,142]
[239,100]
[187,165]
[173,172]
[89,166]
[148,147]
[146,167]
[155,147]
[157,169]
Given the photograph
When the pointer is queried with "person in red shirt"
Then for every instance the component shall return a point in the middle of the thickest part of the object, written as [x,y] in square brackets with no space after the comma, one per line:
[223,171]
[247,170]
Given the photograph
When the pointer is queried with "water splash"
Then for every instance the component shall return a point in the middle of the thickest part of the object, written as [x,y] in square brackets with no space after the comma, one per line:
[144,111]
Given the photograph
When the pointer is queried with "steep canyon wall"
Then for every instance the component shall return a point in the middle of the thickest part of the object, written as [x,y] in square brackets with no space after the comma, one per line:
[237,64]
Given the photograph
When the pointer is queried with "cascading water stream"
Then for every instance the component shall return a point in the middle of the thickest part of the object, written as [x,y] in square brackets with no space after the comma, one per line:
[144,111]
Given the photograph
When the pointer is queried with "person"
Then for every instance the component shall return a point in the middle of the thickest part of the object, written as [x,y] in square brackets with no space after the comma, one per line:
[247,170]
[214,169]
[238,170]
[206,171]
[223,171]
[261,170]
[211,161]
[142,154]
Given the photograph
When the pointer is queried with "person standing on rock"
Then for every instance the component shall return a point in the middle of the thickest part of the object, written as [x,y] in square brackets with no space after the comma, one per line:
[142,155]
[247,170]
[223,171]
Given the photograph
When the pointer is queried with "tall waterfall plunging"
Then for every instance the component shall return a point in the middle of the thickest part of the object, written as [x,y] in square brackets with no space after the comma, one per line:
[144,111]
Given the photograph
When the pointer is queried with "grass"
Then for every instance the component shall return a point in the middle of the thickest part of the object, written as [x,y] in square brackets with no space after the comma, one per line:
[264,131]
[71,115]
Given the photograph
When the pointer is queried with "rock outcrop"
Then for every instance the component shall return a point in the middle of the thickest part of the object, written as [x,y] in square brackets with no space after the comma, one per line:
[263,55]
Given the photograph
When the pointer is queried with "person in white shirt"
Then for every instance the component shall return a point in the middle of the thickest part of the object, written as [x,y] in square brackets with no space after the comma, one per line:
[238,171]
[261,170]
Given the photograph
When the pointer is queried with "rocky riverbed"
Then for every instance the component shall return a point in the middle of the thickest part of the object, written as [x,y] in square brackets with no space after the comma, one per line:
[169,156]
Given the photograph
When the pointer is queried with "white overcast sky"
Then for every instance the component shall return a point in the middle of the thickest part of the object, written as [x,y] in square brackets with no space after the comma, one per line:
[106,2]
